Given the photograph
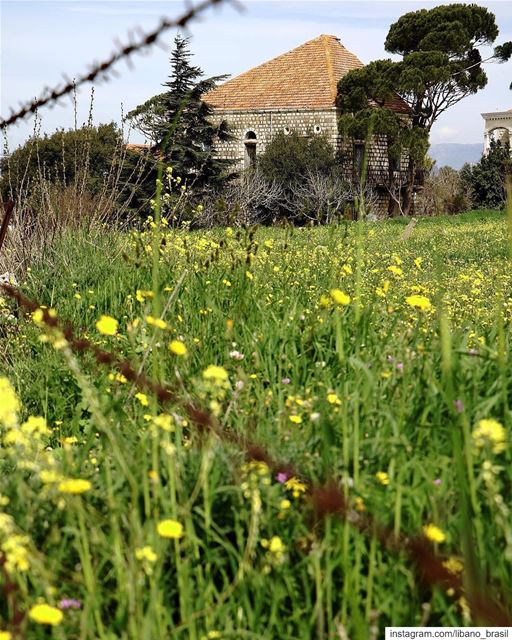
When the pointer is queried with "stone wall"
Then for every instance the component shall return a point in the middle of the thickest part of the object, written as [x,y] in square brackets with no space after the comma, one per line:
[253,130]
[266,124]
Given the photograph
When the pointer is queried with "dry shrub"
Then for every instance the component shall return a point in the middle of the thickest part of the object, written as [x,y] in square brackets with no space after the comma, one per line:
[442,193]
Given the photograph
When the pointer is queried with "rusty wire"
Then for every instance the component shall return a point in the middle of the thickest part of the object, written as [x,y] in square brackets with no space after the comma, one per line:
[326,499]
[100,70]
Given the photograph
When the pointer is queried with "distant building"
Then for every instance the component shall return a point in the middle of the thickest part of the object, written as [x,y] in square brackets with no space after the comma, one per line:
[297,92]
[498,126]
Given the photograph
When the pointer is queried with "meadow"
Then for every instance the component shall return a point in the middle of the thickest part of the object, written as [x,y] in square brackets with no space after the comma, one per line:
[293,358]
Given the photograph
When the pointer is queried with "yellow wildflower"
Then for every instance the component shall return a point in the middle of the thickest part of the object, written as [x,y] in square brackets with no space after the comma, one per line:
[332,398]
[434,533]
[49,476]
[142,398]
[419,302]
[16,553]
[215,373]
[74,486]
[382,477]
[359,504]
[164,421]
[37,317]
[35,425]
[170,529]
[396,270]
[295,419]
[146,553]
[340,297]
[453,565]
[156,322]
[276,546]
[141,295]
[178,348]
[107,325]
[295,486]
[45,614]
[489,431]
[9,404]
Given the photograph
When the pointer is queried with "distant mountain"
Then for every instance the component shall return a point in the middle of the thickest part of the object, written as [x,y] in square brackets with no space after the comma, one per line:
[453,154]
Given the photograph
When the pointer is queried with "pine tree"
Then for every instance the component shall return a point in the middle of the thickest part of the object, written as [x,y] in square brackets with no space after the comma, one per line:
[179,124]
[441,64]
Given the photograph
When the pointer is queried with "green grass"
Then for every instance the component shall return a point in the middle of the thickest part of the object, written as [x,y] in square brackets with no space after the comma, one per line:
[342,392]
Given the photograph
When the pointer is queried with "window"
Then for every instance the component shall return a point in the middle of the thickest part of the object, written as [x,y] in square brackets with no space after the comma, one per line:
[250,149]
[317,128]
[358,158]
[395,164]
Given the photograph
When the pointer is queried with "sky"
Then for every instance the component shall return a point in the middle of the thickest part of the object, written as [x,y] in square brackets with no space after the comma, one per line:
[40,40]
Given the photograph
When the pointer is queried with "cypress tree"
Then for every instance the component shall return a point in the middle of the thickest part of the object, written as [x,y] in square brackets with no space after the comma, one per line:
[179,124]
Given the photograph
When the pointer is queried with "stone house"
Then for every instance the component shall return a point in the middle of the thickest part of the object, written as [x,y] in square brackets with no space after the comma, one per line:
[297,92]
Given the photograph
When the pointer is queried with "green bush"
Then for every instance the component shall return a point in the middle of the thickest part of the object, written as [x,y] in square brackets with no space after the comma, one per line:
[288,159]
[486,181]
[62,157]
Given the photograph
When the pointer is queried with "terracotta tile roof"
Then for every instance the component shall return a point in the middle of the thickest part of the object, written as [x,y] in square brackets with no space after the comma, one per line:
[133,146]
[304,78]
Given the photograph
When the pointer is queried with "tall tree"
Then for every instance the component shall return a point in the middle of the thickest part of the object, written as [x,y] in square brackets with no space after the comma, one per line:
[441,64]
[178,122]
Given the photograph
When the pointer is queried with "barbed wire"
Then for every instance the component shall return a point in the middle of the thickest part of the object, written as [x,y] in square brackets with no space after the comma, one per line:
[326,499]
[101,70]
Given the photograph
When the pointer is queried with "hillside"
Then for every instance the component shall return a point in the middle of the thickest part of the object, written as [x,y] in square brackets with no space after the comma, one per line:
[455,155]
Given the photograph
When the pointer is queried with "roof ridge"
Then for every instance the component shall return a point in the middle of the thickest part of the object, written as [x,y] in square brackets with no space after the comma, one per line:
[330,68]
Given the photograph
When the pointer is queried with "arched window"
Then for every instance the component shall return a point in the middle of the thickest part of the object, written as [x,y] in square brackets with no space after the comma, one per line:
[250,143]
[500,134]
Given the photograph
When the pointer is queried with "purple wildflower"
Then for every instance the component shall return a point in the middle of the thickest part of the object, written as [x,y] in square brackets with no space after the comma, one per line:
[282,477]
[437,481]
[69,603]
[400,366]
[459,406]
[286,380]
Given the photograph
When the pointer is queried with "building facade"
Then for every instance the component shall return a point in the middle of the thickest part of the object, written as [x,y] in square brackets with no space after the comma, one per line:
[297,92]
[498,126]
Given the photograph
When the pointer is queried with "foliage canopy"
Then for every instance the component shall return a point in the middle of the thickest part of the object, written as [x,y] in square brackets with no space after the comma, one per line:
[485,181]
[62,157]
[287,159]
[440,65]
[178,122]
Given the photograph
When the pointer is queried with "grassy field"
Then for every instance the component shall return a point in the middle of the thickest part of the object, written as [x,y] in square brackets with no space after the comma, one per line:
[349,354]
